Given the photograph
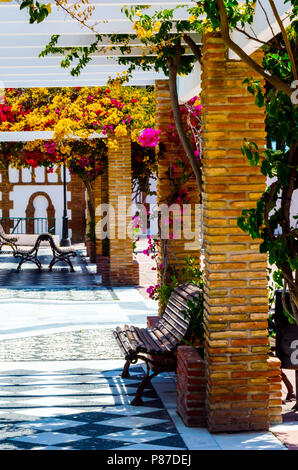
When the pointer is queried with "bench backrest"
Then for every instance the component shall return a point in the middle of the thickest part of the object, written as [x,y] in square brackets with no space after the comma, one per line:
[174,323]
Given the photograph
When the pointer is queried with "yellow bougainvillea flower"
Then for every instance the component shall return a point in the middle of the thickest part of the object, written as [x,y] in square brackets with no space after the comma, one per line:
[192,18]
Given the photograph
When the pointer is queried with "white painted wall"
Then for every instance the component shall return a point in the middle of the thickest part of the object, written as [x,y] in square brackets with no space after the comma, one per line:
[189,86]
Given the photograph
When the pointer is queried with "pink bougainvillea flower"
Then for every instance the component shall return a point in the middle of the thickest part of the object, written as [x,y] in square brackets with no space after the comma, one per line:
[50,147]
[149,137]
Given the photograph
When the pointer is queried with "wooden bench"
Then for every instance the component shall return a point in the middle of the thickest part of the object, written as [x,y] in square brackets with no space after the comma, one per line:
[157,345]
[59,254]
[7,239]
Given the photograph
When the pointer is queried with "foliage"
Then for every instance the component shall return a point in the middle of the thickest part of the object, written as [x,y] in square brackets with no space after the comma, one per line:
[195,314]
[37,11]
[144,169]
[114,110]
[270,220]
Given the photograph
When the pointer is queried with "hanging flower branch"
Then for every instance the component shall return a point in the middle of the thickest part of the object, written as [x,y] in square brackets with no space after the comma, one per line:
[178,174]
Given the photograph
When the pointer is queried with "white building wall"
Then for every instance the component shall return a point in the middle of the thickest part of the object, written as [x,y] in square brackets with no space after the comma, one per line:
[22,192]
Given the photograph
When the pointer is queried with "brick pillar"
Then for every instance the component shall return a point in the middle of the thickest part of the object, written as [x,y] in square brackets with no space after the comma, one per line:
[123,271]
[178,249]
[236,302]
[5,188]
[77,205]
[97,201]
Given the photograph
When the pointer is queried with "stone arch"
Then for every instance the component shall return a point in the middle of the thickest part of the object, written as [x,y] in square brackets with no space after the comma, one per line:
[30,209]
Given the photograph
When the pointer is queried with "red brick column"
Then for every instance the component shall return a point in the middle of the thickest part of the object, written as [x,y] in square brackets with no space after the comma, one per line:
[236,302]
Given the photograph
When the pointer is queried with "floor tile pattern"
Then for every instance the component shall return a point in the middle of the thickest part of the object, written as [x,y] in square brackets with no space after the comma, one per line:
[60,284]
[81,409]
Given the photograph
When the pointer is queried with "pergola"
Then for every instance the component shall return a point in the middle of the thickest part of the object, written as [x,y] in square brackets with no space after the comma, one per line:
[240,395]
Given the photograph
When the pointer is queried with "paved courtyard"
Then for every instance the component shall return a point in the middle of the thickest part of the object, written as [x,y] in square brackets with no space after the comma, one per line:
[60,385]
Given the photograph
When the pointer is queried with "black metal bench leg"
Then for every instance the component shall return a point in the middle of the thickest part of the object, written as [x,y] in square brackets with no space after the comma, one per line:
[52,264]
[125,373]
[70,264]
[137,401]
[57,259]
[38,263]
[20,264]
[289,386]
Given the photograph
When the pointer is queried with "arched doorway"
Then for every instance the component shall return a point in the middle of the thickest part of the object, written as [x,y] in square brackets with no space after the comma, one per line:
[39,208]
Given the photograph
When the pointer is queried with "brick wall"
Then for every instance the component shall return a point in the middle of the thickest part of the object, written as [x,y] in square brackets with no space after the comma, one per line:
[236,303]
[191,387]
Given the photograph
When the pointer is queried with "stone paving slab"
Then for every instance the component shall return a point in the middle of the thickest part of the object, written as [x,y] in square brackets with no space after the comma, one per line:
[76,294]
[70,345]
[24,318]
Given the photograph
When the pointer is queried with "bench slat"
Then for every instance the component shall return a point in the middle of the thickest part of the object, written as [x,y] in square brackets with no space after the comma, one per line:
[152,346]
[178,330]
[124,345]
[135,342]
[165,336]
[122,337]
[173,312]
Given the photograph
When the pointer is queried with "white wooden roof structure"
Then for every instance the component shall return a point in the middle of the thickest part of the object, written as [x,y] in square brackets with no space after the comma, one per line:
[21,43]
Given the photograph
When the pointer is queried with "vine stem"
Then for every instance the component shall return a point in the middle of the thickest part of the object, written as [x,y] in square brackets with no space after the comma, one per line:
[173,65]
[225,33]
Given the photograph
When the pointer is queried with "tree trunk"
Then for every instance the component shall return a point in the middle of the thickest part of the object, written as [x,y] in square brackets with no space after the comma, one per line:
[173,65]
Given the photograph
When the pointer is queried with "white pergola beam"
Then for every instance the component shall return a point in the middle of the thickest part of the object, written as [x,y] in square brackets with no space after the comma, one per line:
[71,82]
[31,136]
[101,12]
